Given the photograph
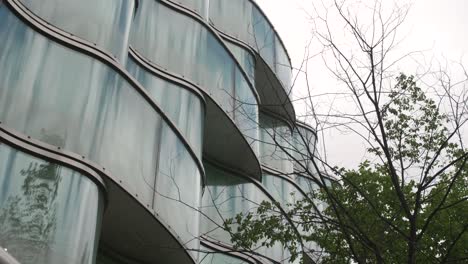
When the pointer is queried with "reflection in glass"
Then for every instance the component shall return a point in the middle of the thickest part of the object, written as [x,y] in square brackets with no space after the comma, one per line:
[46,88]
[181,105]
[244,21]
[275,141]
[246,60]
[104,22]
[226,196]
[49,214]
[304,150]
[159,32]
[287,194]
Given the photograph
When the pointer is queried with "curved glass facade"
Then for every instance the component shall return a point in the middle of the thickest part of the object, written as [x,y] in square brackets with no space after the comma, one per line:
[282,190]
[244,21]
[275,142]
[99,115]
[187,114]
[286,193]
[246,60]
[304,150]
[159,32]
[226,196]
[105,22]
[135,117]
[199,6]
[49,214]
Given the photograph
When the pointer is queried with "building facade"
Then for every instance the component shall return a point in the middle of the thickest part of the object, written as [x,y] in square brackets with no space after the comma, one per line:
[131,129]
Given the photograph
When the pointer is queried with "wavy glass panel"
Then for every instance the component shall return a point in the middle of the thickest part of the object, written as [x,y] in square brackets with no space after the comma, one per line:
[286,194]
[303,150]
[275,141]
[227,195]
[246,112]
[104,22]
[246,60]
[199,6]
[159,33]
[185,108]
[244,21]
[178,190]
[234,18]
[75,102]
[49,214]
[283,66]
[264,38]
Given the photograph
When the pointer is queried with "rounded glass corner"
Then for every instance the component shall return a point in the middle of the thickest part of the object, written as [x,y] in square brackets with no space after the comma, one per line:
[275,143]
[73,101]
[243,20]
[226,196]
[49,214]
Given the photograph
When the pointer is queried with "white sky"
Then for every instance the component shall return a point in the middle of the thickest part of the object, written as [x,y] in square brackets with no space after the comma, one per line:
[439,27]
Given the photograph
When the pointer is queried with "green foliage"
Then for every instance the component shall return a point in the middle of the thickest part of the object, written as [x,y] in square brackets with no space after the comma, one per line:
[365,220]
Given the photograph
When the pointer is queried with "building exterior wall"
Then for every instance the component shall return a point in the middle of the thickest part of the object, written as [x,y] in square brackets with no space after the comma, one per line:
[131,129]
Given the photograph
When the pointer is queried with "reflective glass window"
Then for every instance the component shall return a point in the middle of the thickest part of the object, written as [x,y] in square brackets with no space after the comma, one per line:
[49,214]
[283,66]
[304,149]
[246,114]
[283,191]
[159,33]
[286,194]
[185,108]
[233,18]
[227,195]
[244,21]
[246,60]
[275,141]
[178,193]
[75,102]
[104,22]
[264,38]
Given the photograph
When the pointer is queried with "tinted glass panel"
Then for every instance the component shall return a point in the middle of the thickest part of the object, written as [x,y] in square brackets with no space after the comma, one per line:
[246,60]
[49,214]
[286,194]
[184,107]
[303,150]
[226,196]
[244,21]
[234,18]
[275,141]
[104,22]
[75,102]
[160,32]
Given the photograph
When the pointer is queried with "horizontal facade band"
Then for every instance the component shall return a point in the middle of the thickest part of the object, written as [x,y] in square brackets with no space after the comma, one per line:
[110,185]
[278,101]
[200,20]
[45,193]
[233,178]
[105,23]
[81,46]
[222,134]
[53,154]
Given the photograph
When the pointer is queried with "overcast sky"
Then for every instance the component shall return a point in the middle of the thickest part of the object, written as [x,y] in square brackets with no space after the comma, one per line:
[437,27]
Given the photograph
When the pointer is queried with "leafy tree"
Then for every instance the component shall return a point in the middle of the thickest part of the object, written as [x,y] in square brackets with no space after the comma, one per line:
[409,206]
